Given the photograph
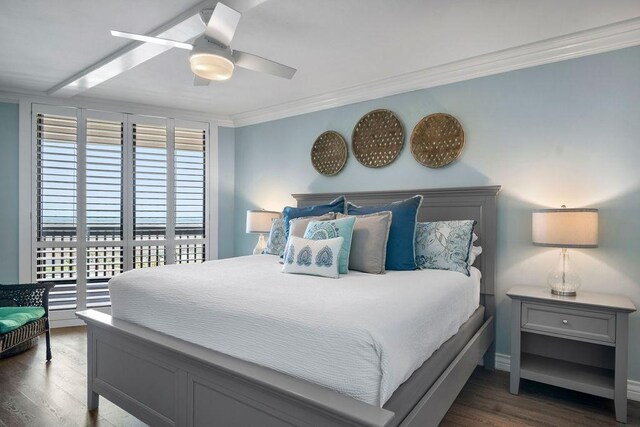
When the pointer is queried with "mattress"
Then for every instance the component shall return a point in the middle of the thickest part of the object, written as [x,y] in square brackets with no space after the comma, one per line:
[362,335]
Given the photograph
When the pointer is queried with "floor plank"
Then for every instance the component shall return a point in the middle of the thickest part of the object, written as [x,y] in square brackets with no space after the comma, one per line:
[485,400]
[35,393]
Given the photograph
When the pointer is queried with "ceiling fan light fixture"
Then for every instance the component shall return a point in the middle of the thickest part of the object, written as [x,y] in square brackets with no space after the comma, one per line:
[210,66]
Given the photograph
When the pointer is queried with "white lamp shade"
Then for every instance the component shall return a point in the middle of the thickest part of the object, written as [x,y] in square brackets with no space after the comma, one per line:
[259,221]
[565,228]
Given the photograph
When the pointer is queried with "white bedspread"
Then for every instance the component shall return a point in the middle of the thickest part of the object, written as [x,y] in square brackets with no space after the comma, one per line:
[362,334]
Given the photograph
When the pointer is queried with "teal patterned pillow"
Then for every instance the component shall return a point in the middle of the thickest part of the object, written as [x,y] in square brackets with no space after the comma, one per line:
[444,245]
[321,230]
[276,242]
[313,257]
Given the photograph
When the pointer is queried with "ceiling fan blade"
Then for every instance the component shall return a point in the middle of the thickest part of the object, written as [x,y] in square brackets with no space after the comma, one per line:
[222,24]
[262,65]
[183,27]
[149,39]
[200,81]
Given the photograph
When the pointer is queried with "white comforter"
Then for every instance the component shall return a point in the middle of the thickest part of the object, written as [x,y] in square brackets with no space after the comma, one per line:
[362,334]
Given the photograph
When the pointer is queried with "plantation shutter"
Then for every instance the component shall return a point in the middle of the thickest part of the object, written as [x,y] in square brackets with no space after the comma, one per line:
[114,192]
[56,231]
[104,204]
[150,178]
[190,170]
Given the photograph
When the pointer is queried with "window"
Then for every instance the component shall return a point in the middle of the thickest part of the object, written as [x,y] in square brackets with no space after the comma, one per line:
[114,192]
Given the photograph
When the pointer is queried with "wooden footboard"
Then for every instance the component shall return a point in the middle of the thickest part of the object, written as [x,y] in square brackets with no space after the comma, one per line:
[165,381]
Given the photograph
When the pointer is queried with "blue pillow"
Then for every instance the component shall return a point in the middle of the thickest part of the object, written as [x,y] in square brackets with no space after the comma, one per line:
[322,230]
[400,246]
[290,213]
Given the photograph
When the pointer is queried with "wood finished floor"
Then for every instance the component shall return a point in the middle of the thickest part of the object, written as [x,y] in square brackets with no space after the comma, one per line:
[33,393]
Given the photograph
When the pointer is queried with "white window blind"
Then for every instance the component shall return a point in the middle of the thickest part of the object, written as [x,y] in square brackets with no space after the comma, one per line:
[56,159]
[150,181]
[190,190]
[104,207]
[114,192]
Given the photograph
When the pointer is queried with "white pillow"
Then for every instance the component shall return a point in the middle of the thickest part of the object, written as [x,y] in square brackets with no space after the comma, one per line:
[314,257]
[473,253]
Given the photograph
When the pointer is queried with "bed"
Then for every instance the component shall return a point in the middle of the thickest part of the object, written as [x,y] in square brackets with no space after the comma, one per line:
[173,378]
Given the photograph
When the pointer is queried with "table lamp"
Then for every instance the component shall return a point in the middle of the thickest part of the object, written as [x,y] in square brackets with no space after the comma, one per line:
[565,228]
[259,221]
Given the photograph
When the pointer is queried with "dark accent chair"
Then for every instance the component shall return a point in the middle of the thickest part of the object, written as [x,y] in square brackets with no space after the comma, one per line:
[23,338]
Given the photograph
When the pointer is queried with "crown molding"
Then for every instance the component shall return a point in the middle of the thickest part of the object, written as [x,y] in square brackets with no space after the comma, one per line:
[8,99]
[120,106]
[584,43]
[589,42]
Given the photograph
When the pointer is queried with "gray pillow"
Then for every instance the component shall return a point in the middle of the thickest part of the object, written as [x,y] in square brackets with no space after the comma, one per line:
[298,226]
[369,242]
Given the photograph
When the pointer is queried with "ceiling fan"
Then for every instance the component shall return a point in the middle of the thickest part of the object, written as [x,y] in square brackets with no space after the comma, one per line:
[211,56]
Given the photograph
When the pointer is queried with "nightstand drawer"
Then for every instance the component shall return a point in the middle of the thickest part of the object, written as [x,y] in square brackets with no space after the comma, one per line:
[588,325]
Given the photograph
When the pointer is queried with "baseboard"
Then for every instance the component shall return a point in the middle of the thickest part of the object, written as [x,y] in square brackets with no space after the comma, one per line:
[503,363]
[65,323]
[633,390]
[68,318]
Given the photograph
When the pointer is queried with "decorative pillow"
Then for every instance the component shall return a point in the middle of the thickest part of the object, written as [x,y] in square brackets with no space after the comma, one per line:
[289,213]
[298,226]
[322,230]
[444,245]
[314,257]
[474,253]
[400,245]
[369,242]
[276,242]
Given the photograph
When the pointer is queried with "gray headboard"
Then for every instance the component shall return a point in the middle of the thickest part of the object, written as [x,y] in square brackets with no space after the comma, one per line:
[439,204]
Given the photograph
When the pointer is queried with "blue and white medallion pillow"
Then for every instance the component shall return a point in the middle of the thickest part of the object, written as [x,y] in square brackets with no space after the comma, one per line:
[313,257]
[444,245]
[320,230]
[277,240]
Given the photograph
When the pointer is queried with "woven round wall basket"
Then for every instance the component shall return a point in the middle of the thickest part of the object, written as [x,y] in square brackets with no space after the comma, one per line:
[437,140]
[329,153]
[377,138]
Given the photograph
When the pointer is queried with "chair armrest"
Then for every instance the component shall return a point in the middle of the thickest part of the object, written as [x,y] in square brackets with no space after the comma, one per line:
[28,294]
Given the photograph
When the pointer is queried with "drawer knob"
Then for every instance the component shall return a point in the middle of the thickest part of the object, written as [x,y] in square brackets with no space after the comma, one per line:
[565,321]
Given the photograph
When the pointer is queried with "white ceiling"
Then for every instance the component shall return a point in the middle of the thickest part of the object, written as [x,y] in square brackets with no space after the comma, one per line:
[334,44]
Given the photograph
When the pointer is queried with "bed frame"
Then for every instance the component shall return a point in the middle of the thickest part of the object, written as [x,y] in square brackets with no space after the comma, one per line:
[165,381]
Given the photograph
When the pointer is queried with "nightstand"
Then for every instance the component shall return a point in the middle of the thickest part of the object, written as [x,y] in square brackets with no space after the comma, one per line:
[579,342]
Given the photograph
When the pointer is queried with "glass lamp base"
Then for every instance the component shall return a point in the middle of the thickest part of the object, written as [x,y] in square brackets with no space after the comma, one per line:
[563,281]
[260,247]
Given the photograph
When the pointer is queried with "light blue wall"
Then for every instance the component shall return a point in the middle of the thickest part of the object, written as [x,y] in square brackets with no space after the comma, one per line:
[8,193]
[226,175]
[564,133]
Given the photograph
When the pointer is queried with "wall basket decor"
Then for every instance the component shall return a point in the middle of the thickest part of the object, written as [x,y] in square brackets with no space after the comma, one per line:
[437,140]
[377,138]
[329,153]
